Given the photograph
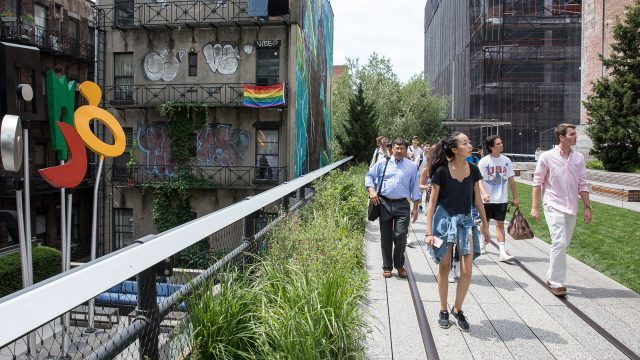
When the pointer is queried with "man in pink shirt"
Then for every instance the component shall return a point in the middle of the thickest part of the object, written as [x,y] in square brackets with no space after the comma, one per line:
[561,177]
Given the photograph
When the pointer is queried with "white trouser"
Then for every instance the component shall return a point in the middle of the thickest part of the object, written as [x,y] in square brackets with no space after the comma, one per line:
[561,226]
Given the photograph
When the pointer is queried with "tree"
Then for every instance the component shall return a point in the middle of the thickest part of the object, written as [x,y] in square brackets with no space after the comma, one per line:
[381,86]
[342,92]
[402,110]
[360,130]
[614,106]
[419,112]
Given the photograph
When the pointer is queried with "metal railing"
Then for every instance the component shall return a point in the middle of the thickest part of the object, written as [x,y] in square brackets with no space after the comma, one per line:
[151,95]
[184,13]
[226,177]
[10,182]
[149,330]
[46,39]
[521,157]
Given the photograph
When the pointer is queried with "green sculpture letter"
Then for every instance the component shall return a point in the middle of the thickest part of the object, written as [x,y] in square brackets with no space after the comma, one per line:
[61,96]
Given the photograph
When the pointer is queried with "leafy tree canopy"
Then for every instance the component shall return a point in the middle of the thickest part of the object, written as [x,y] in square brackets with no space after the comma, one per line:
[401,109]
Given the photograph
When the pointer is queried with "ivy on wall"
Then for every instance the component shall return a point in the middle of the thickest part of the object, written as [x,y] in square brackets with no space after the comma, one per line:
[172,199]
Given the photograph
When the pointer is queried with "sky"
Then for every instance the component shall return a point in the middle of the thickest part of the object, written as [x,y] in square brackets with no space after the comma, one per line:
[393,29]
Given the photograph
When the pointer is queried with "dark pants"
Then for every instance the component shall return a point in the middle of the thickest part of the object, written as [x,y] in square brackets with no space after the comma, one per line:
[394,226]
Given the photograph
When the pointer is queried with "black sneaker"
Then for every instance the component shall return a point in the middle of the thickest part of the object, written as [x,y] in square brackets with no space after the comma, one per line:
[461,321]
[443,321]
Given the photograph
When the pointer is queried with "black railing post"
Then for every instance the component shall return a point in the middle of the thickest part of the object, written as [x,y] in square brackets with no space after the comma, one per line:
[285,203]
[249,235]
[301,194]
[148,310]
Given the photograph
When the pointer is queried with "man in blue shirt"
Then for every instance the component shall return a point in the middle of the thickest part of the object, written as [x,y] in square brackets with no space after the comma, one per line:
[400,183]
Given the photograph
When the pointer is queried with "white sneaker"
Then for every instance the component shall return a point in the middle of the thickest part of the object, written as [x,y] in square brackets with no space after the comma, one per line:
[413,244]
[452,279]
[456,269]
[505,256]
[483,248]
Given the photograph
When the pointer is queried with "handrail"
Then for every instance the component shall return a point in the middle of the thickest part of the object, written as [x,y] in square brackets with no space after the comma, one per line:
[218,94]
[228,177]
[190,13]
[25,311]
[46,39]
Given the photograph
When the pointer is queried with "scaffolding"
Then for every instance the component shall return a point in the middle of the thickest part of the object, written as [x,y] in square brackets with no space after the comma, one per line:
[516,61]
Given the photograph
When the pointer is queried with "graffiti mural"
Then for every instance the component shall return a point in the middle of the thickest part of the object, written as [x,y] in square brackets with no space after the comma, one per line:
[162,65]
[314,59]
[221,145]
[223,59]
[155,142]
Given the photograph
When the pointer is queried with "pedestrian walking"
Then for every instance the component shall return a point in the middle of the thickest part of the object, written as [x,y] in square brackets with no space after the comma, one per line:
[421,164]
[414,150]
[560,177]
[455,187]
[497,171]
[380,151]
[400,183]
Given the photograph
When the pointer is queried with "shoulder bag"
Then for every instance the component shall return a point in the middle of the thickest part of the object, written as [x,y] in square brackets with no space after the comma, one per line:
[373,212]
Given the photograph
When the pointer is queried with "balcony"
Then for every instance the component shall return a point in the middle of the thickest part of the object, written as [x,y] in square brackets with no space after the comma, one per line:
[46,40]
[215,177]
[180,13]
[141,96]
[10,182]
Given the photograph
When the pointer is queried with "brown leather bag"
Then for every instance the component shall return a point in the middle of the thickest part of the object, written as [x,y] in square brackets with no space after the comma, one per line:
[519,228]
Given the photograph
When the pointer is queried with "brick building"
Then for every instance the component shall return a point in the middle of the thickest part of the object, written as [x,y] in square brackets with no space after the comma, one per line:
[60,35]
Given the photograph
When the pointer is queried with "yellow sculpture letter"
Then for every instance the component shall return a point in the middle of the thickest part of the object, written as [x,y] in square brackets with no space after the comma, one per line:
[86,113]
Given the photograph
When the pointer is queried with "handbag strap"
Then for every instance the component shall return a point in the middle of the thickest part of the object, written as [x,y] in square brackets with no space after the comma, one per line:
[383,172]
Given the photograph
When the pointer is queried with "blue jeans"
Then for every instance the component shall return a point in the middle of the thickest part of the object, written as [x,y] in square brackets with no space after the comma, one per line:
[454,229]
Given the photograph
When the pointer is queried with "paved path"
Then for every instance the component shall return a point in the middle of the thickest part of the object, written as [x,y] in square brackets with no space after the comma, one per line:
[512,315]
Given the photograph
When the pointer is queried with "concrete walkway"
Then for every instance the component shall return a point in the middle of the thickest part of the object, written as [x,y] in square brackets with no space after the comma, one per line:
[512,315]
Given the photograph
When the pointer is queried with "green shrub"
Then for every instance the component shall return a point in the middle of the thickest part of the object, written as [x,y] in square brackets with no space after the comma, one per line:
[223,321]
[305,298]
[595,165]
[47,262]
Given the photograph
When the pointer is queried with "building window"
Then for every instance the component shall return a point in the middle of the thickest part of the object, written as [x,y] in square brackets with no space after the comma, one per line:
[11,5]
[74,30]
[119,170]
[193,64]
[267,154]
[267,66]
[40,19]
[122,227]
[24,75]
[123,76]
[124,12]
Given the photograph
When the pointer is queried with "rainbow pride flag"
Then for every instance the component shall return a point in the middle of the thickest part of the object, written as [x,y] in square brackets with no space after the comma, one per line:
[263,96]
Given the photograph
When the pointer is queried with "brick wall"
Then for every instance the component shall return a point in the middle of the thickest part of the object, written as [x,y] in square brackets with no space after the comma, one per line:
[593,26]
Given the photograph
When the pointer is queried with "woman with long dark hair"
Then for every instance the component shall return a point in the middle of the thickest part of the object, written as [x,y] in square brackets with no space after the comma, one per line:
[454,190]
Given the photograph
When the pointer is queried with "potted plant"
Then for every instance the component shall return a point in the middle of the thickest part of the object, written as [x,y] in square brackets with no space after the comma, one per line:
[132,164]
[28,19]
[7,16]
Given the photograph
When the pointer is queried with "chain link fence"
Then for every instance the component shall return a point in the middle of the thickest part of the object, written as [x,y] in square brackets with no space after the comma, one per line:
[133,304]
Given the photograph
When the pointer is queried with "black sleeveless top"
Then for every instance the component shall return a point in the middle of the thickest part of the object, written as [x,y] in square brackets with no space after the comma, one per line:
[455,196]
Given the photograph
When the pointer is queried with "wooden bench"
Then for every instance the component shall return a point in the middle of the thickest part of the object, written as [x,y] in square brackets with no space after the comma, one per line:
[616,191]
[104,317]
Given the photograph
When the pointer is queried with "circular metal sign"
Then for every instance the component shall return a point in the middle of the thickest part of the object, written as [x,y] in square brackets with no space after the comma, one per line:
[25,92]
[11,143]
